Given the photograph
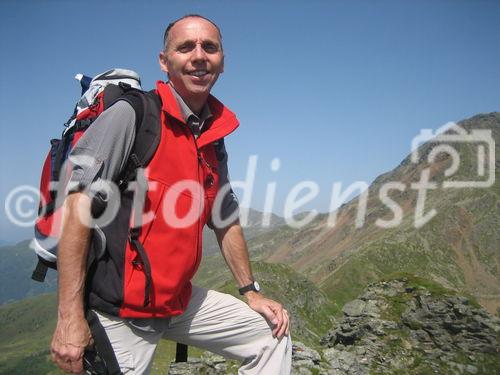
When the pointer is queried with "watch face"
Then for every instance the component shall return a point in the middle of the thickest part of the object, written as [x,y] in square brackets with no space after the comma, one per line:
[256,286]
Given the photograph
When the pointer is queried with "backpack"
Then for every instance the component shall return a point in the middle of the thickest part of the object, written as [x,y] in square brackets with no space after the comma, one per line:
[98,94]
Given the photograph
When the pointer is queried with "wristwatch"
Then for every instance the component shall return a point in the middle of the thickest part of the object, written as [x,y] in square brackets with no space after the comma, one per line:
[253,286]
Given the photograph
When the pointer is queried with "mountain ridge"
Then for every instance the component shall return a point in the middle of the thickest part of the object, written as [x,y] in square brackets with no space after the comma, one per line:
[467,218]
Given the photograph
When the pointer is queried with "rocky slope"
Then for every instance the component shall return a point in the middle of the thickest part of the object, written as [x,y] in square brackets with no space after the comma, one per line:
[403,326]
[411,326]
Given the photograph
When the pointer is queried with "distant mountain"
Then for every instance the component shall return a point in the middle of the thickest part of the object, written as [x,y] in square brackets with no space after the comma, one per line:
[459,247]
[252,229]
[18,263]
[27,328]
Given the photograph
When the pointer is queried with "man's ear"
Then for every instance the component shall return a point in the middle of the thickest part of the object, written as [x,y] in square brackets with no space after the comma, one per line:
[222,67]
[162,60]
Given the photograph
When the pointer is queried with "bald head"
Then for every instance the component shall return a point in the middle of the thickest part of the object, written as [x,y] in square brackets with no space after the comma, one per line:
[168,30]
[193,59]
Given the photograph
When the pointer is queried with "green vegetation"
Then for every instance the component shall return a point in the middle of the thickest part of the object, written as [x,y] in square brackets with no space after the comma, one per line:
[27,328]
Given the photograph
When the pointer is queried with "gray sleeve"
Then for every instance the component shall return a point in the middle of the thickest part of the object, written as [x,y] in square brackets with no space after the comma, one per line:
[230,203]
[102,151]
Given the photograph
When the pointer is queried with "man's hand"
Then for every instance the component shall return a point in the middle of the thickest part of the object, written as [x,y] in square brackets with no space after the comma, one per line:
[72,334]
[71,337]
[273,311]
[235,252]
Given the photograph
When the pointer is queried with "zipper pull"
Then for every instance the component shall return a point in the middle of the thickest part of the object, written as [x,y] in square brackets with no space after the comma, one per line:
[210,180]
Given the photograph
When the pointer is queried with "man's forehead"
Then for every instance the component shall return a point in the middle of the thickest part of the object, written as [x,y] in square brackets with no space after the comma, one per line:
[194,28]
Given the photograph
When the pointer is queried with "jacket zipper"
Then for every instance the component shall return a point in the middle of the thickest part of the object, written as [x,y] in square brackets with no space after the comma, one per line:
[202,198]
[201,160]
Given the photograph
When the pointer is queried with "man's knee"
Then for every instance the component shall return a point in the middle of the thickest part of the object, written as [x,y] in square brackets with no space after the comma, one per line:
[269,343]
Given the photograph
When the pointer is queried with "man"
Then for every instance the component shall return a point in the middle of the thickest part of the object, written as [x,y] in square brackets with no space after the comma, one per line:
[135,319]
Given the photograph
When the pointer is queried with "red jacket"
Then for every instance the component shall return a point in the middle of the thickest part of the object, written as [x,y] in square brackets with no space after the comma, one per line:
[173,248]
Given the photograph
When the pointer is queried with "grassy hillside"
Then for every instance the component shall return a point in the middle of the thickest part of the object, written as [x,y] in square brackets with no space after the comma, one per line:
[27,328]
[27,325]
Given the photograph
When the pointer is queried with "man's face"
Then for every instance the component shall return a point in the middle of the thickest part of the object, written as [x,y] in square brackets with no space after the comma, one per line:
[194,57]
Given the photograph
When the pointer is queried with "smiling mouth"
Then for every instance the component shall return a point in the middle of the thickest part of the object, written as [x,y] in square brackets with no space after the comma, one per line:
[198,73]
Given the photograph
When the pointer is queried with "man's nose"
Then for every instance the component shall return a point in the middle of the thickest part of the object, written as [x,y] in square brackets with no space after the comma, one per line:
[199,53]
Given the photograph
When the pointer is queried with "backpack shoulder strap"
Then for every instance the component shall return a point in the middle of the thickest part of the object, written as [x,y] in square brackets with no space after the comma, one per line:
[147,107]
[220,149]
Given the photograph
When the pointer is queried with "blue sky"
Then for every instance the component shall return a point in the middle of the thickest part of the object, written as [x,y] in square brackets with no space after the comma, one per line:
[335,89]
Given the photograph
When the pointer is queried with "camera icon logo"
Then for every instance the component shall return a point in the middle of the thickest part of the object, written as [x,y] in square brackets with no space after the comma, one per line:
[478,143]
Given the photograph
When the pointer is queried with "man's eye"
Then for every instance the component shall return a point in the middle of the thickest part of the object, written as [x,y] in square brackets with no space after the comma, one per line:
[184,48]
[210,48]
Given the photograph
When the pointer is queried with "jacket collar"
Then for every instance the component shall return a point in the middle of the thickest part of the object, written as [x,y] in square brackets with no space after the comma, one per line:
[168,102]
[222,123]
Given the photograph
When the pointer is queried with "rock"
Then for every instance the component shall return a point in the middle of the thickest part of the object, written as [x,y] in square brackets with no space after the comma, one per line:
[371,309]
[332,357]
[460,367]
[212,359]
[305,360]
[354,308]
[191,367]
[301,371]
[437,307]
[393,326]
[349,336]
[209,364]
[461,310]
[302,352]
[471,369]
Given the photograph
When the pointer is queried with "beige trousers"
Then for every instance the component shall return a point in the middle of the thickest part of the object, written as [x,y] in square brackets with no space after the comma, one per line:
[213,321]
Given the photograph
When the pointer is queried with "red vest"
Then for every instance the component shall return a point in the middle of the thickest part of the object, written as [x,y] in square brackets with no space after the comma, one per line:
[183,182]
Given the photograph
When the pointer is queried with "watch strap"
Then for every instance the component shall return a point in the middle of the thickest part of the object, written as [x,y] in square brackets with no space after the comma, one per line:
[248,288]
